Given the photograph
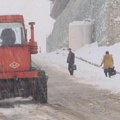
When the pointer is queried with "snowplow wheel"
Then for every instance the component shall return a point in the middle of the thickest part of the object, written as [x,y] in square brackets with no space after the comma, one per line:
[40,94]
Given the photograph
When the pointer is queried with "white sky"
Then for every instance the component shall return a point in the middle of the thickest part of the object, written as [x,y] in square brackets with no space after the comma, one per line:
[87,73]
[33,10]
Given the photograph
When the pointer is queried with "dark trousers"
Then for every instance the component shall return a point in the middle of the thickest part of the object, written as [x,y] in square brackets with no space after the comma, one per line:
[70,69]
[108,72]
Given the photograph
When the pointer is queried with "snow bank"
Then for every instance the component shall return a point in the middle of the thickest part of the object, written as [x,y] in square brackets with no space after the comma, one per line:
[90,74]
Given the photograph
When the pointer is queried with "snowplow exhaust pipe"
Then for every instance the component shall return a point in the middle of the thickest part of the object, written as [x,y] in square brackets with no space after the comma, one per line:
[32,30]
[32,42]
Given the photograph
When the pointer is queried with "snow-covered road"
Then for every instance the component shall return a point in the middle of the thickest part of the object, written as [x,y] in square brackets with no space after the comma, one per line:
[37,112]
[68,99]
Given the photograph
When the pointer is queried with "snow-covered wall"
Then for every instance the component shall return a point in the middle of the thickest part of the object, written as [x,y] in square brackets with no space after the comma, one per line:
[103,12]
[80,34]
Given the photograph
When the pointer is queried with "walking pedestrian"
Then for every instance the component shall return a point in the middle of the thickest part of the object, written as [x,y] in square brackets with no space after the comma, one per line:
[70,61]
[107,63]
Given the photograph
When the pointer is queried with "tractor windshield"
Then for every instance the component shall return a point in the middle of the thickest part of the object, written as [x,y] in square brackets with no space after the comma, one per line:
[11,34]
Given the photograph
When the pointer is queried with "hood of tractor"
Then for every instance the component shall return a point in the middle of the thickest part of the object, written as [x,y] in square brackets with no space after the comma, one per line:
[16,58]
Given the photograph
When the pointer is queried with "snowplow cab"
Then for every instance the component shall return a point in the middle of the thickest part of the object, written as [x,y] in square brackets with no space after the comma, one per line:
[17,76]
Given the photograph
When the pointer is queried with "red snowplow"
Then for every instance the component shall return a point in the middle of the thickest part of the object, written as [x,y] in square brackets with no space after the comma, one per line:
[17,76]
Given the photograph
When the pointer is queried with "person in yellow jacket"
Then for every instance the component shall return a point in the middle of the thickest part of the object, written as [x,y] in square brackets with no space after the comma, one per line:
[107,63]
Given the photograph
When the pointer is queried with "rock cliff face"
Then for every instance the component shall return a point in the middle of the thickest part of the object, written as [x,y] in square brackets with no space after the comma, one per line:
[104,13]
[113,22]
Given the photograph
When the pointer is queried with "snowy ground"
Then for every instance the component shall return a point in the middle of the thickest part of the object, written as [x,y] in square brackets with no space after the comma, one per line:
[88,73]
[68,99]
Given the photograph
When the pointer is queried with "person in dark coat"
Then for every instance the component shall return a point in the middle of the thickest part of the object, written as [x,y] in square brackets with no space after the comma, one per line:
[70,61]
[8,36]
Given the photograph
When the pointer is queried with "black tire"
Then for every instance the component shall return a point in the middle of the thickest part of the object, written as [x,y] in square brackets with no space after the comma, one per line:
[40,94]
